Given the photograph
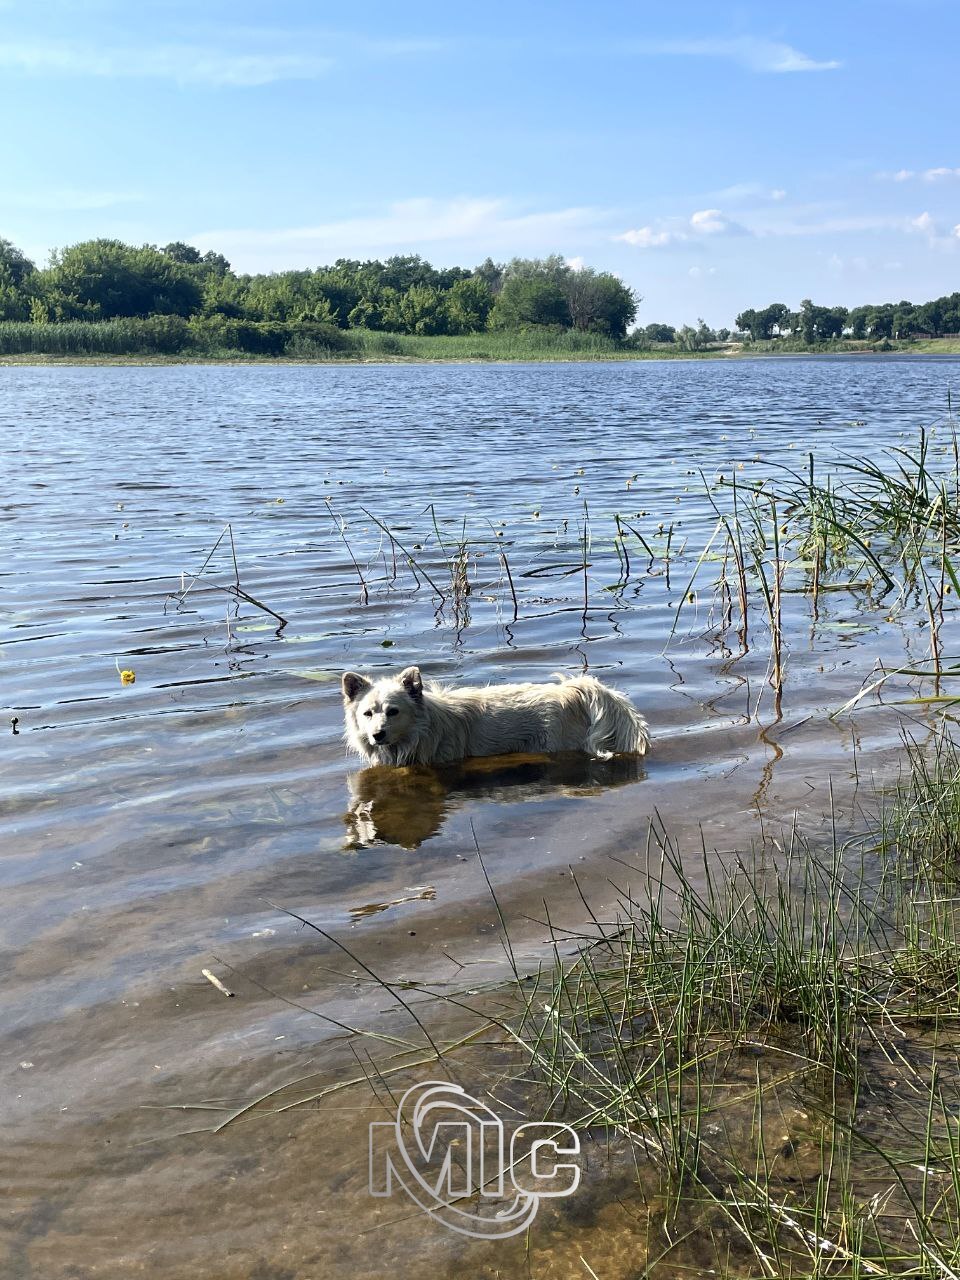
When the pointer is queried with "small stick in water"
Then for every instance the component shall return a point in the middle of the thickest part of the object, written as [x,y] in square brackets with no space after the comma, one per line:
[212,977]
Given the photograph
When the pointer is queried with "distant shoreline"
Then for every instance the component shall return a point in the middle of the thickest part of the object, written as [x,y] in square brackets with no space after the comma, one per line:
[945,347]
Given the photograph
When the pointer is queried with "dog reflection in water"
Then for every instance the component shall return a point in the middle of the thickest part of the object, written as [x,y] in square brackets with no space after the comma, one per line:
[407,805]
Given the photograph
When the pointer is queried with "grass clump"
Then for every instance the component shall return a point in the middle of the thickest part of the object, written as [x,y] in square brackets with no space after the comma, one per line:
[776,1043]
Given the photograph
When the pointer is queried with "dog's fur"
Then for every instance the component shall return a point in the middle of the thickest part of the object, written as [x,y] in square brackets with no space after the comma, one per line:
[399,720]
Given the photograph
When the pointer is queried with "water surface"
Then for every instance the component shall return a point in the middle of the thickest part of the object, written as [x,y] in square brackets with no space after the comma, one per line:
[151,830]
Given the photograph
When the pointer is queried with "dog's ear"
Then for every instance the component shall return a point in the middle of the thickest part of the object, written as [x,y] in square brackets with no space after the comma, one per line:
[412,681]
[353,685]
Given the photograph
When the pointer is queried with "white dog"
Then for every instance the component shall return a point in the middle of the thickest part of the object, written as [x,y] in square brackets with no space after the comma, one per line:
[399,720]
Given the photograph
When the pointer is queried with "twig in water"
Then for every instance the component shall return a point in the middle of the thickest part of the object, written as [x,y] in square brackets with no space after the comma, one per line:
[234,589]
[212,978]
[513,590]
[339,526]
[397,543]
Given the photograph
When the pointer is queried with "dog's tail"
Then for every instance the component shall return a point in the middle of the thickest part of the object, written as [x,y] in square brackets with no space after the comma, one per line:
[616,726]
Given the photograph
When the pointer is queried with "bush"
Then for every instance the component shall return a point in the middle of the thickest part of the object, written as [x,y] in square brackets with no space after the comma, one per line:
[380,344]
[318,342]
[165,335]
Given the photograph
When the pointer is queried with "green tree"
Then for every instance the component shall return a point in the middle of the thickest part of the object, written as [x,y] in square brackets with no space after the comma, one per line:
[422,310]
[773,317]
[859,321]
[14,263]
[403,271]
[808,320]
[468,305]
[599,302]
[491,273]
[337,290]
[688,338]
[880,321]
[528,300]
[181,252]
[16,271]
[101,279]
[906,320]
[224,295]
[215,263]
[660,333]
[761,324]
[749,322]
[930,317]
[367,314]
[821,324]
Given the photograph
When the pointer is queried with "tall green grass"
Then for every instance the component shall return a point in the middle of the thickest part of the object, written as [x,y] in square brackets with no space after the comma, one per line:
[108,337]
[220,338]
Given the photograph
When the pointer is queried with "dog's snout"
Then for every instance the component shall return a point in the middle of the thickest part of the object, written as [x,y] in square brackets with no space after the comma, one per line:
[379,735]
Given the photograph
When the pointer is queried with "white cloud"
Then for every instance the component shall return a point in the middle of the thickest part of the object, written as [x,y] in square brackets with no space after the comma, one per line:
[925,224]
[937,174]
[257,57]
[752,52]
[936,236]
[778,221]
[709,222]
[697,273]
[575,264]
[186,64]
[647,238]
[778,193]
[705,222]
[476,225]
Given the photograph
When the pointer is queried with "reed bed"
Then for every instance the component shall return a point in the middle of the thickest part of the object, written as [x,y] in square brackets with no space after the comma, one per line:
[217,338]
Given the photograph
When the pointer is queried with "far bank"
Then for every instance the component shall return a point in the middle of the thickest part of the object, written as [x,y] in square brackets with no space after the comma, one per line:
[363,347]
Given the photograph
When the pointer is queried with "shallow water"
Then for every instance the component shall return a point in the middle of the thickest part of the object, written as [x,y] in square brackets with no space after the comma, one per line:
[154,829]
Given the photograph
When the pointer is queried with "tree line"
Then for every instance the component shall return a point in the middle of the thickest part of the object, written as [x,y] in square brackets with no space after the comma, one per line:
[175,296]
[102,280]
[813,324]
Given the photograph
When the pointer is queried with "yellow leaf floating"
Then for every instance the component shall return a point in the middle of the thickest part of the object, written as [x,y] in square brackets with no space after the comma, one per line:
[127,677]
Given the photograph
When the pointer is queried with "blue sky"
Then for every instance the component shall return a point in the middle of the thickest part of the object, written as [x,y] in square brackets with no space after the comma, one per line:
[715,156]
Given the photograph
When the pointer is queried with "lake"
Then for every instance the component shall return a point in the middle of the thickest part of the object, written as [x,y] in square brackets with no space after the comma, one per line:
[462,517]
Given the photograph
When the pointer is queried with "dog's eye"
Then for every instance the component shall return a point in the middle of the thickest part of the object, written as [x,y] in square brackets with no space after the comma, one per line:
[368,713]
[393,711]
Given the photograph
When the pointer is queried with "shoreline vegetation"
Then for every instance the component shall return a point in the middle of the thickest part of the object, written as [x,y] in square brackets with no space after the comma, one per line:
[107,301]
[370,348]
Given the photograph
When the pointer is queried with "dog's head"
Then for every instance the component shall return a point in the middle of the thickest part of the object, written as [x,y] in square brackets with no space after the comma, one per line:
[382,714]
